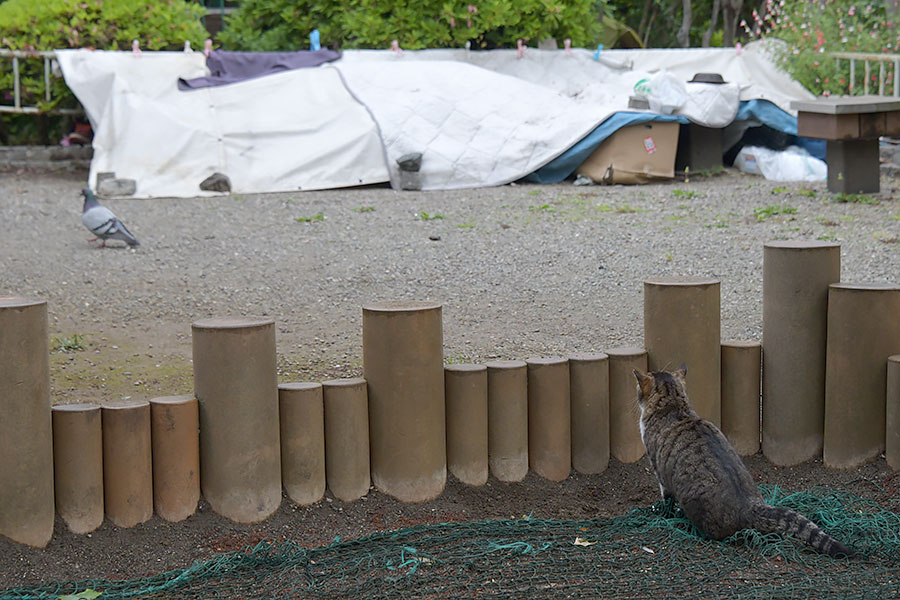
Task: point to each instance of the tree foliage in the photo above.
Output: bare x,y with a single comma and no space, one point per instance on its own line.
286,24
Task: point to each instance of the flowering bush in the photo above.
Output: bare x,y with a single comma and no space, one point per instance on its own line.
812,29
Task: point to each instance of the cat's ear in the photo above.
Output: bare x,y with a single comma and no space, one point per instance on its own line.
680,372
645,382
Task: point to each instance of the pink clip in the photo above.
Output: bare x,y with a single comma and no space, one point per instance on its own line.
395,46
568,45
135,48
737,47
207,48
520,48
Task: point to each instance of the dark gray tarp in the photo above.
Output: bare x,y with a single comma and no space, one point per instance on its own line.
230,67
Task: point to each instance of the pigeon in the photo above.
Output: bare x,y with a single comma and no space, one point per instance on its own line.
102,222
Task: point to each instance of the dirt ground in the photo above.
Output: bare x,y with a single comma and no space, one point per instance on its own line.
117,360
158,546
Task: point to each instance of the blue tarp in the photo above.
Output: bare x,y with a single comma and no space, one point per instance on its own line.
758,111
566,163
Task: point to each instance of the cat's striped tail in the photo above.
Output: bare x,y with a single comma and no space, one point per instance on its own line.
767,519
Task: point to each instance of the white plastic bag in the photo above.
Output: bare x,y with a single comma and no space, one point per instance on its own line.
791,164
667,93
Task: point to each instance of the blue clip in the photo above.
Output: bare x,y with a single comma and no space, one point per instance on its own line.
597,53
314,40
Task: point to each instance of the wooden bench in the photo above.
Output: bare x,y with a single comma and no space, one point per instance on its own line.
851,126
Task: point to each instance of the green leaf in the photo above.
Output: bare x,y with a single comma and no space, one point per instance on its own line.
87,594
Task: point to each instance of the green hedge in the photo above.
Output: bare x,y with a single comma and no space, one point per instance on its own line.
268,25
101,24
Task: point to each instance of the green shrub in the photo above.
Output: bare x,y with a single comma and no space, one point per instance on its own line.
101,24
286,24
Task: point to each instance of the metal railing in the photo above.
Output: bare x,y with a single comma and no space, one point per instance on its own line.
48,56
868,60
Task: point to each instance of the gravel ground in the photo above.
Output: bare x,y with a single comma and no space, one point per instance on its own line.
521,271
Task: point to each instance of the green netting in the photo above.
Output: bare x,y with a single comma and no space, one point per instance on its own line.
647,553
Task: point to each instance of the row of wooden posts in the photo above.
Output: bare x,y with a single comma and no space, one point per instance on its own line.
826,380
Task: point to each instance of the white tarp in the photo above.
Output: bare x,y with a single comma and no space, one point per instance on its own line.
473,126
289,131
479,118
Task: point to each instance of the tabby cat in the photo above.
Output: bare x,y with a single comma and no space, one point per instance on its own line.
696,466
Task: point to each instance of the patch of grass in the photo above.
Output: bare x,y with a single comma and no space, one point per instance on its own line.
827,222
315,217
668,256
855,199
456,359
87,594
717,170
886,238
896,217
683,206
424,216
779,190
72,343
621,209
808,192
826,237
686,194
718,224
466,225
580,202
542,208
764,212
364,209
534,193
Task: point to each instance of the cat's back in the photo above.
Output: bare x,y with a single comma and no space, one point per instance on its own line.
696,450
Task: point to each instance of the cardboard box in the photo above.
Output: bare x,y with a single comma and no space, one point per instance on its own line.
634,154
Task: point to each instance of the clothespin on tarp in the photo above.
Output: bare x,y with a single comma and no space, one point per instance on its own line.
567,43
520,48
597,53
395,46
187,46
135,48
207,47
314,40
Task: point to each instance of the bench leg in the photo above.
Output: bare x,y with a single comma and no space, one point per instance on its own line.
853,166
